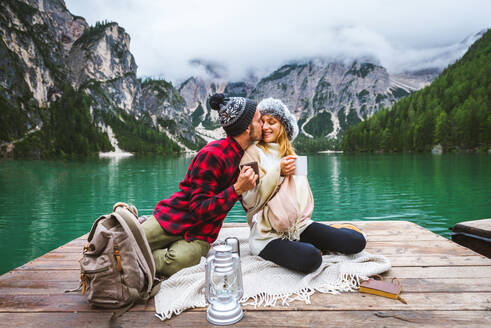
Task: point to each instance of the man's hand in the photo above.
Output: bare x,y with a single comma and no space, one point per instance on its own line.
246,180
287,165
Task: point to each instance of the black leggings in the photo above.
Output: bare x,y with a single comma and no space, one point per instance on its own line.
305,255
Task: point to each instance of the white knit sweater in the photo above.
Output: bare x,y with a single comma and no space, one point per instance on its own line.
259,236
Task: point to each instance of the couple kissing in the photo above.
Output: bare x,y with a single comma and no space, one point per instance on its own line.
254,164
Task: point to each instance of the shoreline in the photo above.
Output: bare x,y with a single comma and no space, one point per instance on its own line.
114,154
330,152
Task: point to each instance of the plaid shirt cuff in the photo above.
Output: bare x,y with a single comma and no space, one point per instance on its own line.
231,194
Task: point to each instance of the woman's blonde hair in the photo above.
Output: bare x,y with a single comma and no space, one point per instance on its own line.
282,140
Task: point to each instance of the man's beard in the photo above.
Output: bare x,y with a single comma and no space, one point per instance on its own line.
255,136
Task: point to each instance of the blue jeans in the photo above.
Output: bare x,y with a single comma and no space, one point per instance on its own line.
305,255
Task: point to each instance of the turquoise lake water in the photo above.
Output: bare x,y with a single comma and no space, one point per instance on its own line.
44,204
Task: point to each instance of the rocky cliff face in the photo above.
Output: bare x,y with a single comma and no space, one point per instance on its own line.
66,27
168,111
43,47
195,92
35,38
100,61
327,97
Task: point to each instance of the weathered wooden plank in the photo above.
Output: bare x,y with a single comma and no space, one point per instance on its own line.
256,319
405,248
475,235
402,248
319,302
39,275
445,285
479,227
69,261
401,235
469,272
416,301
437,260
37,287
42,264
400,272
59,256
409,285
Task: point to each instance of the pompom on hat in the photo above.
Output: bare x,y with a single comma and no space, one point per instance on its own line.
235,113
277,109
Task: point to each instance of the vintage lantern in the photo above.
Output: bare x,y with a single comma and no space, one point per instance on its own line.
224,284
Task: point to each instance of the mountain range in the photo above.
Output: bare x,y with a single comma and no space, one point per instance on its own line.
46,51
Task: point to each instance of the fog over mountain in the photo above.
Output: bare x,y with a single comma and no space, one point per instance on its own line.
175,40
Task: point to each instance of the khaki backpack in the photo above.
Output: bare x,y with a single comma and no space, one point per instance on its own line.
117,269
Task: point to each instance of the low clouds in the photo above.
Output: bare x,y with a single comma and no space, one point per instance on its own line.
176,39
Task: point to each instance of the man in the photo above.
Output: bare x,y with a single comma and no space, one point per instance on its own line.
183,226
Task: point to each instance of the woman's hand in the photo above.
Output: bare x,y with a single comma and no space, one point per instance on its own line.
287,165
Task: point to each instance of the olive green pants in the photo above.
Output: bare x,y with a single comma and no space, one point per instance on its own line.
172,252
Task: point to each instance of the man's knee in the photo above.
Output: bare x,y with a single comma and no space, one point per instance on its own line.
182,254
182,259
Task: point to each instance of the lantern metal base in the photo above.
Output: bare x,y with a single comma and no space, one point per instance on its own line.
223,314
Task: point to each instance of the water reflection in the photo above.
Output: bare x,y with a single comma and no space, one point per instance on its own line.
47,203
334,165
424,189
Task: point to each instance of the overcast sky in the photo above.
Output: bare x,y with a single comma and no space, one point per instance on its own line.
261,35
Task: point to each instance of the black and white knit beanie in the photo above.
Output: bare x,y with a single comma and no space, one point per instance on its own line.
278,110
235,113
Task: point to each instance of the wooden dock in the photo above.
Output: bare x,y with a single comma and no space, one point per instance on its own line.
444,284
475,235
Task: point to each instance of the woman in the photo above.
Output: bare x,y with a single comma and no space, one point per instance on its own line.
279,208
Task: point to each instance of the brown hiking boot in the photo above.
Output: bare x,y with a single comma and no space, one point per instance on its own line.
348,226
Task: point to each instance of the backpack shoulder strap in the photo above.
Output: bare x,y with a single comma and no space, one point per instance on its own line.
133,228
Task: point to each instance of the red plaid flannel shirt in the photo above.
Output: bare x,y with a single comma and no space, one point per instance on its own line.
206,194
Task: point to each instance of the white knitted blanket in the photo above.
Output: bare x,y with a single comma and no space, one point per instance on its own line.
265,283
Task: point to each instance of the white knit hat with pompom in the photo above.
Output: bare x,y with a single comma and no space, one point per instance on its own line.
278,110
